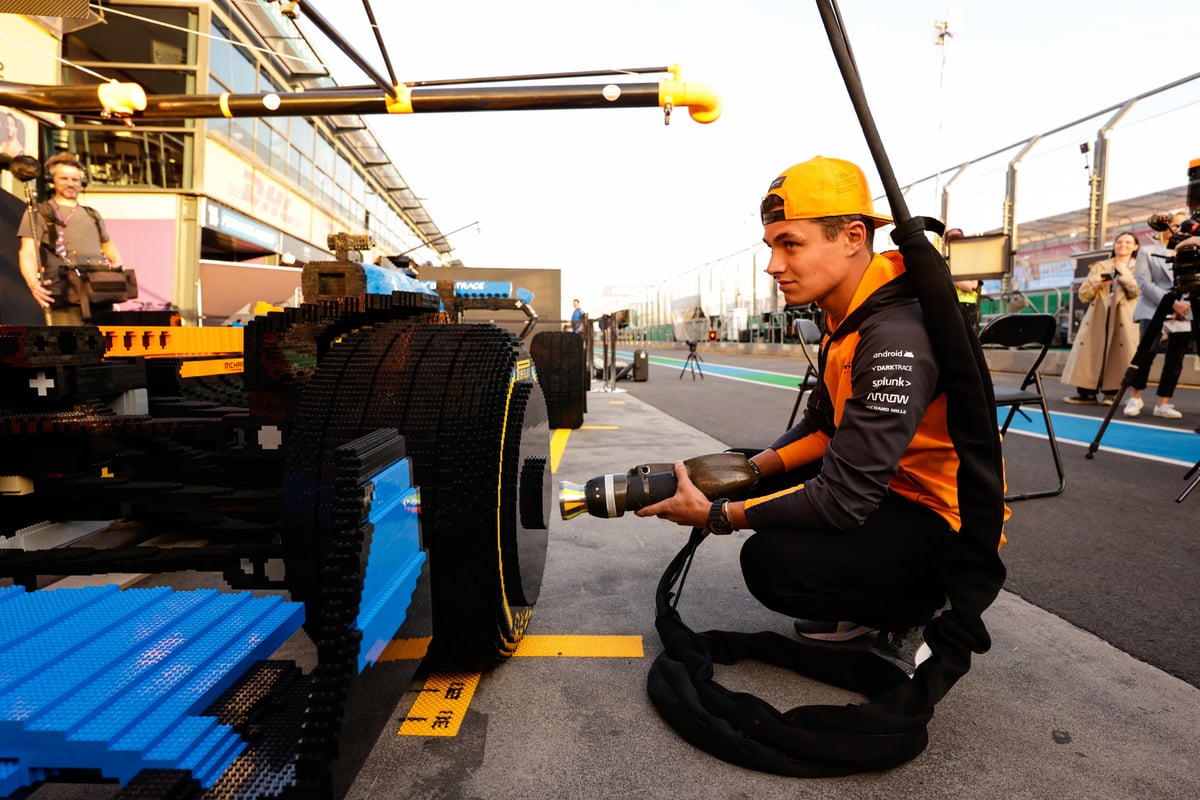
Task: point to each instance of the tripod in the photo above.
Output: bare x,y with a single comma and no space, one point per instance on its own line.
1142,358
693,361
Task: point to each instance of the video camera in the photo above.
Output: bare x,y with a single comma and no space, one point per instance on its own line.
1185,237
1163,222
1185,243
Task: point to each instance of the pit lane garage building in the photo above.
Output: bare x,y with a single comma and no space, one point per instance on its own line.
212,213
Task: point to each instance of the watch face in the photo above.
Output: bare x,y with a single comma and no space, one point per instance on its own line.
717,521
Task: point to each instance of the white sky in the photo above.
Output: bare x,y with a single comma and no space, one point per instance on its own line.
614,198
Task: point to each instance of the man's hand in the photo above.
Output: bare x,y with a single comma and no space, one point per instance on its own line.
41,294
688,506
27,257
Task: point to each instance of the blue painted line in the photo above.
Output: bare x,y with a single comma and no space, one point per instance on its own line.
1131,438
781,380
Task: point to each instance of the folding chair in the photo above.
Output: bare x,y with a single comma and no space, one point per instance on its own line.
1027,332
809,333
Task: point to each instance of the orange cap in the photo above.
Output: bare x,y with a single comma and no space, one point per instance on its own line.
822,187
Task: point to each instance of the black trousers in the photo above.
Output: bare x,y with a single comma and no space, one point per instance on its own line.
1177,345
889,574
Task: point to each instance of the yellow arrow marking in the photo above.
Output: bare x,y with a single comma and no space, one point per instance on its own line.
441,705
444,699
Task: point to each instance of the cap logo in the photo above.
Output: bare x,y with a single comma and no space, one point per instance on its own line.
775,184
846,182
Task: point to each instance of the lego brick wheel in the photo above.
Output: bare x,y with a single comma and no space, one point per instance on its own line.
474,421
560,360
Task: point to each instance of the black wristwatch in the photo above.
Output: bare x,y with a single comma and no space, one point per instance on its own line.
718,522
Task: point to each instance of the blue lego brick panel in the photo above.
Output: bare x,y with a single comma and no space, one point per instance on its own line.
394,561
384,280
112,680
483,288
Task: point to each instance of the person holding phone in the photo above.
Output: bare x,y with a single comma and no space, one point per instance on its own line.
1107,337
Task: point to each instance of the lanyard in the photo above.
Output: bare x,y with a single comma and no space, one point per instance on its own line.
60,246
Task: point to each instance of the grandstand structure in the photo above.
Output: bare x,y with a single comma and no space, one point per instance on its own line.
1060,195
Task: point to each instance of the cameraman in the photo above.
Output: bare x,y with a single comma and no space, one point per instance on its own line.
61,231
856,512
1155,277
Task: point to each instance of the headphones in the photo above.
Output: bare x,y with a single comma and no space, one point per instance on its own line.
69,160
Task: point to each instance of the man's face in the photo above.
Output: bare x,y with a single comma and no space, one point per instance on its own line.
807,267
67,181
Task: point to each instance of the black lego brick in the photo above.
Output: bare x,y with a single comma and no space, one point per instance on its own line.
45,346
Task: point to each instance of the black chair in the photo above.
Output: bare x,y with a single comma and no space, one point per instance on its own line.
1033,333
809,333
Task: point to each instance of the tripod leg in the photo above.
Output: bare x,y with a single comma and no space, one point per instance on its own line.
1191,484
1141,358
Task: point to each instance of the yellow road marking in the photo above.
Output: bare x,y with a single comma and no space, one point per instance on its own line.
406,649
444,699
581,646
441,705
558,443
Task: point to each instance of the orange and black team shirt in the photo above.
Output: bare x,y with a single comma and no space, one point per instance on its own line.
878,419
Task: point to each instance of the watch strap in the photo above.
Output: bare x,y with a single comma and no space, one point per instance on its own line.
718,521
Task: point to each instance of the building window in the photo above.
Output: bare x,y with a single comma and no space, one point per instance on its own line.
125,158
137,35
230,65
300,170
156,48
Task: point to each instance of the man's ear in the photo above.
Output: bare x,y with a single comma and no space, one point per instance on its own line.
856,236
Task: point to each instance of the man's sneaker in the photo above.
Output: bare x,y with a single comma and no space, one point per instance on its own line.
905,649
1167,411
1133,406
1108,399
831,631
1081,400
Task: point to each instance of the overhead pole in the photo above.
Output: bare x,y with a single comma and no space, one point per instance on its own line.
387,62
314,16
840,44
942,33
970,419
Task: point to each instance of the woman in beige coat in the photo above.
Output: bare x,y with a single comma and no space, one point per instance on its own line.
1108,336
